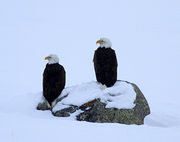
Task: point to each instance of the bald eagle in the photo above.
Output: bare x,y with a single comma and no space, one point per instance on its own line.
105,63
54,77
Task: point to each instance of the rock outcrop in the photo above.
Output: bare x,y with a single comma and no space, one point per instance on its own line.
97,111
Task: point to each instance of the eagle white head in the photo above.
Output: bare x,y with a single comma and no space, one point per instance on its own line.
52,59
104,42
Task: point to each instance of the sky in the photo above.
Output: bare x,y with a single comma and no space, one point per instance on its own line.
145,35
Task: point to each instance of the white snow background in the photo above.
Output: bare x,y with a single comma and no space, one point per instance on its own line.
145,35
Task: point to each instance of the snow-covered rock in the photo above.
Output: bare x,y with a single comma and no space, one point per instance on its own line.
121,103
99,113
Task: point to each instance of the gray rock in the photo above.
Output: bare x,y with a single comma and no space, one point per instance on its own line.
98,112
65,112
43,106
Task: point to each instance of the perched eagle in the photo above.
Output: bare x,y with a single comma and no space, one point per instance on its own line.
105,63
54,78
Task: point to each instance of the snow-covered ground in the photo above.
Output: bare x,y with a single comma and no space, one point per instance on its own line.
145,35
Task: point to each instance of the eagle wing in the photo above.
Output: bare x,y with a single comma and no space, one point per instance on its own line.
53,81
105,65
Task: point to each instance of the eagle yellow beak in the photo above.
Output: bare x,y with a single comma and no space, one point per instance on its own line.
99,41
47,58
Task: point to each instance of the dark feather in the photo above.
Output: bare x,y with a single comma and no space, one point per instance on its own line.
54,77
105,64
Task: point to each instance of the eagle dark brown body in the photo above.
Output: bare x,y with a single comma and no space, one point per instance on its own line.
54,77
105,64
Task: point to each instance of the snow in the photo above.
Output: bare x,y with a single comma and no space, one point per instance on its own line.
145,36
121,95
